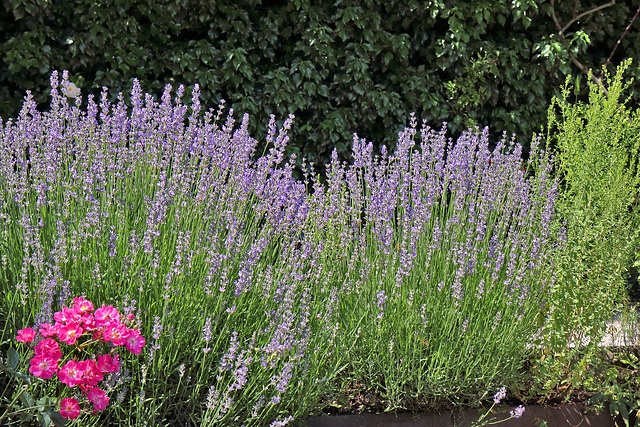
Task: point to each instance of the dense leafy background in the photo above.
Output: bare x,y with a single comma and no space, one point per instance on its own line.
340,66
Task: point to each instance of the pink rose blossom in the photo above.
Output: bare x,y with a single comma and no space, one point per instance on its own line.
26,335
91,375
65,316
106,315
135,342
82,306
99,398
70,374
70,333
88,322
47,330
118,334
69,408
43,367
107,363
48,348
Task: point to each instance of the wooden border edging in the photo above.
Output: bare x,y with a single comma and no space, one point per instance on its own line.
571,415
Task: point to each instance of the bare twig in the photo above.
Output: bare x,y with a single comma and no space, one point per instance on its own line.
562,29
585,13
620,39
555,18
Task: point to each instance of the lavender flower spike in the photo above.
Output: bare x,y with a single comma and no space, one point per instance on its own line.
517,413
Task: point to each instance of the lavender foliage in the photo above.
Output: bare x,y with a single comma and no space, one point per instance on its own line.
417,259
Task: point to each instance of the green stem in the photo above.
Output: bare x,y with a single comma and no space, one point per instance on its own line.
5,415
23,410
500,421
486,413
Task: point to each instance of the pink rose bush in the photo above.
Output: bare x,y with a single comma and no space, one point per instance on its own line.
79,327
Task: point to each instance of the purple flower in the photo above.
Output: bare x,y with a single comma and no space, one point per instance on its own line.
157,328
517,412
282,380
212,398
240,373
465,324
282,423
206,334
382,299
230,355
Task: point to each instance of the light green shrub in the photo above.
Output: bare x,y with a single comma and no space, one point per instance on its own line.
596,159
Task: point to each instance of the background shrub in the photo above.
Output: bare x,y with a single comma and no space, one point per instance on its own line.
340,67
597,163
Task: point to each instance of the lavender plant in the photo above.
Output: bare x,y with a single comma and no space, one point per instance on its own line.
438,258
175,223
412,275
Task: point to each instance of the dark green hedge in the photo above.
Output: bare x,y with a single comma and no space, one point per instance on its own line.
340,66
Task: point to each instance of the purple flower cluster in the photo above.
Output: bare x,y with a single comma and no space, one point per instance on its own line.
517,412
501,394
